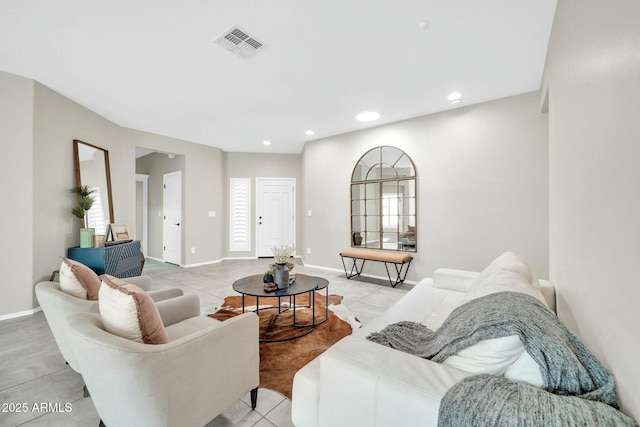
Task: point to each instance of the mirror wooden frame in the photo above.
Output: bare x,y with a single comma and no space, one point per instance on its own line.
107,177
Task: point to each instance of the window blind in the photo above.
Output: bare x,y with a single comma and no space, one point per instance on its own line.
240,214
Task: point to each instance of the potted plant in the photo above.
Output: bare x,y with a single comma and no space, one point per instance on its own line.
268,276
85,201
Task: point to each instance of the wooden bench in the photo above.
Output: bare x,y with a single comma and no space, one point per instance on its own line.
398,259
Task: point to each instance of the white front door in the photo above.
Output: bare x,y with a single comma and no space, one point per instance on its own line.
275,214
172,217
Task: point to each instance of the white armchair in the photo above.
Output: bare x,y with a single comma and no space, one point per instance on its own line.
206,366
57,305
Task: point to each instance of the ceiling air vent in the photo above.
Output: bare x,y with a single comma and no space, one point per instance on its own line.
239,42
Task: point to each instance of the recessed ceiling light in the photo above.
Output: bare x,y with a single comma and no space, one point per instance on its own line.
266,142
309,132
456,101
454,96
368,116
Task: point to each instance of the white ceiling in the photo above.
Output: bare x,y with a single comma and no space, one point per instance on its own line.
153,65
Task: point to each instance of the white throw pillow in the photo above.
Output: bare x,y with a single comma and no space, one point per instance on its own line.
496,356
78,280
129,312
69,283
491,356
525,369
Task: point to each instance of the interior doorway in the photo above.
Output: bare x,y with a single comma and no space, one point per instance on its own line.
275,214
142,211
172,217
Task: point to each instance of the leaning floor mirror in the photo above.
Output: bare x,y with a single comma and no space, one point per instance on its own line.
92,169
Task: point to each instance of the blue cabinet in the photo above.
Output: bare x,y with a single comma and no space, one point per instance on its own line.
123,260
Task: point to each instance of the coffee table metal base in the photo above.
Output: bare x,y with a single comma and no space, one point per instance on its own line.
306,328
252,286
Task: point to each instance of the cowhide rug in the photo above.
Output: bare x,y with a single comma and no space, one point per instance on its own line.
279,361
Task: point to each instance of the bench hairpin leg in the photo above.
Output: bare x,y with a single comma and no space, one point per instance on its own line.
399,275
354,268
406,270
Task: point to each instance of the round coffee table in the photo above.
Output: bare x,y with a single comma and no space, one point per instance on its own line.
253,286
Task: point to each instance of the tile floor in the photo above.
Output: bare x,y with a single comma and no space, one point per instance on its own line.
32,370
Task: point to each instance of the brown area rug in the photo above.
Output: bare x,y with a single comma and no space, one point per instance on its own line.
279,361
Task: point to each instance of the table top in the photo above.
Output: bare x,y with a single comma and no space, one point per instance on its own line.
254,286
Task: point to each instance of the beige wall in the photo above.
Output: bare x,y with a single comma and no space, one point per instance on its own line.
57,122
202,192
482,186
252,165
16,177
593,75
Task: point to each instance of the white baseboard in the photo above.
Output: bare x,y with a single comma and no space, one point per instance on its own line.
198,264
369,276
321,267
20,314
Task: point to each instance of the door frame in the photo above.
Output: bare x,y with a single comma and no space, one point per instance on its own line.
144,179
257,206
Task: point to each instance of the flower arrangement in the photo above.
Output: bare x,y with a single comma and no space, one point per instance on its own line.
282,254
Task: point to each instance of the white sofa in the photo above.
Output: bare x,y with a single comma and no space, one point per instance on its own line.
360,383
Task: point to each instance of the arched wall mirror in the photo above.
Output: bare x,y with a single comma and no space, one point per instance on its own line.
383,201
92,169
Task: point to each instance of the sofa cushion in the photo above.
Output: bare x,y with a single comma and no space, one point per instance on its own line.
129,312
503,280
79,280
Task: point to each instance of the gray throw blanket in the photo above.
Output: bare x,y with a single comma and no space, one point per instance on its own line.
568,368
488,400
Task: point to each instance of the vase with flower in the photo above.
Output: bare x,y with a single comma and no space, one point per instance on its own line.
282,266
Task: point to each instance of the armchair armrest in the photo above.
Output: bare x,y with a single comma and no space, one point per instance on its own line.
177,309
143,282
164,294
455,280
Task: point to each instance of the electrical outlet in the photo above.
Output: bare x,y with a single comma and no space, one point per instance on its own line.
308,250
193,250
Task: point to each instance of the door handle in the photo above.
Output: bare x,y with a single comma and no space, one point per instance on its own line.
178,224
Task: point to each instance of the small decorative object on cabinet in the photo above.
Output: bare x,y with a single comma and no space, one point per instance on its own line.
117,233
122,260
